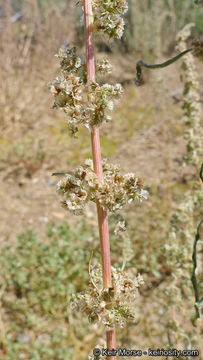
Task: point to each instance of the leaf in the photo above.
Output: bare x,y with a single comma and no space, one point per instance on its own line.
59,174
141,64
201,173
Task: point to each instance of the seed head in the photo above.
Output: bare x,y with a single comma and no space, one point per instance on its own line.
113,192
109,306
88,104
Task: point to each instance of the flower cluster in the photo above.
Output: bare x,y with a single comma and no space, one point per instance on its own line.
120,227
123,244
108,16
191,106
84,103
103,66
182,227
112,193
197,45
115,305
70,62
184,221
101,102
181,236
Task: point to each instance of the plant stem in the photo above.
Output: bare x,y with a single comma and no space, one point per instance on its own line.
96,154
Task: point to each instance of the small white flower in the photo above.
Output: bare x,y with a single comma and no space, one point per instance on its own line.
110,105
144,193
89,163
78,62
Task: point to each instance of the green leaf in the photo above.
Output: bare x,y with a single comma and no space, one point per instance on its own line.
141,64
59,174
201,173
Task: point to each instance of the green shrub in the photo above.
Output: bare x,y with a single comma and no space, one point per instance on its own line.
38,278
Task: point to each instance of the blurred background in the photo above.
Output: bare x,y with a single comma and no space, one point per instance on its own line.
45,250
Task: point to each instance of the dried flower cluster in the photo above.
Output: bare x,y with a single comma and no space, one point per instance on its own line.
120,227
113,192
181,236
197,45
184,221
112,306
84,103
183,224
108,16
103,66
124,240
182,233
192,106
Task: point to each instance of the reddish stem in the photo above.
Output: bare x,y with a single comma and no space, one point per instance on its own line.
111,341
96,154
